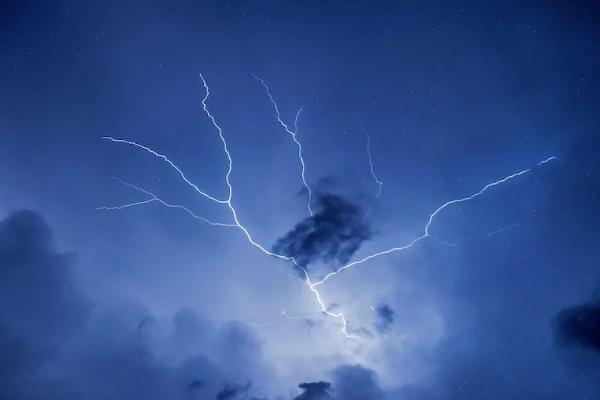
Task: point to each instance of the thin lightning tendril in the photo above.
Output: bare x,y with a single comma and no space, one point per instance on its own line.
546,160
154,198
374,176
293,136
165,159
372,169
503,229
237,224
473,237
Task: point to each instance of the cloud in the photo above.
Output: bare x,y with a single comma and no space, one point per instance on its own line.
355,382
35,284
385,317
57,344
349,382
232,391
314,391
579,325
333,234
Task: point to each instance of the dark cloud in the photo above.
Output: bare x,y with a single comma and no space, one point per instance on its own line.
385,317
195,385
35,284
333,234
314,391
579,325
349,382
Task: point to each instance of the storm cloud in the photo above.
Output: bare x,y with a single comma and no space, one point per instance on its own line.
453,96
57,343
579,325
332,235
232,391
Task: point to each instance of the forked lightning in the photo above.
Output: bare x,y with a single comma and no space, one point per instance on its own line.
152,198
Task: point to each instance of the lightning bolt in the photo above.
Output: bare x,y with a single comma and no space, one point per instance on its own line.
293,136
152,198
324,309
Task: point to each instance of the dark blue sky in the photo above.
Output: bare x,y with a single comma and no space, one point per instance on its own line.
150,303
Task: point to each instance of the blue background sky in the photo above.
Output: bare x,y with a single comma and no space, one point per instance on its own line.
149,303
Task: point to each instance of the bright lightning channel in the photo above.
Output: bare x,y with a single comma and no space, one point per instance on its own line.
237,224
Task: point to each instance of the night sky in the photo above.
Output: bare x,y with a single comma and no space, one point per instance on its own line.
500,300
